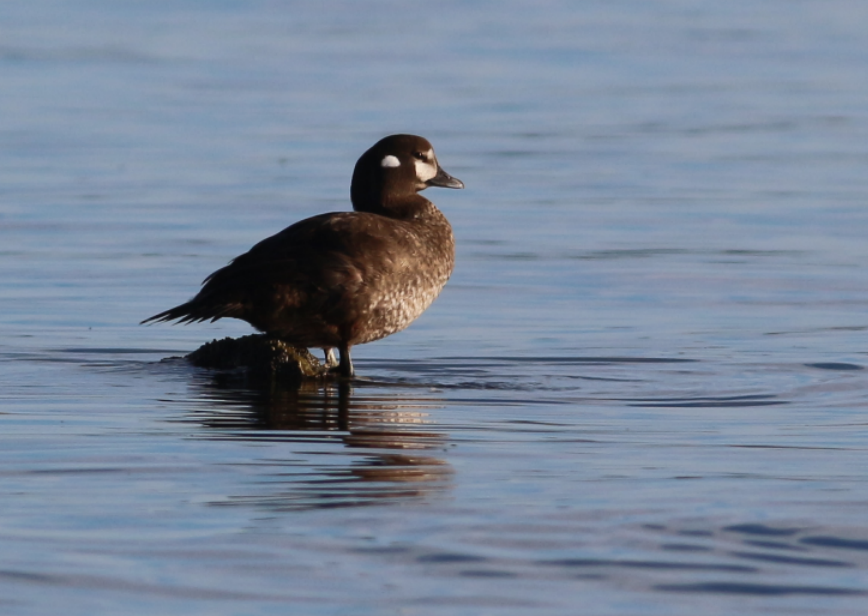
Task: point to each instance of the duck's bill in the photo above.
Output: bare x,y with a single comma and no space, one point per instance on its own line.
444,180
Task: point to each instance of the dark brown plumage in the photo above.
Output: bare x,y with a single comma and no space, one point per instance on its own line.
345,278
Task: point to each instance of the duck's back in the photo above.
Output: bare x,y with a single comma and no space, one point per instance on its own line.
351,276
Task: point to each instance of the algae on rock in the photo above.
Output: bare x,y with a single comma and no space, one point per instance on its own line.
259,356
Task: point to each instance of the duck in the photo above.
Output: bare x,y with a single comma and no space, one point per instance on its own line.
340,279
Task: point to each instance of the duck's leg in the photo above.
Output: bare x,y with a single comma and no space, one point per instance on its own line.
330,360
345,368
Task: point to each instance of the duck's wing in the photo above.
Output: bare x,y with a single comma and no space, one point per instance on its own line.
308,266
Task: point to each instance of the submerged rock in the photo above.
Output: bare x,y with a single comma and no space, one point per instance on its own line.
259,357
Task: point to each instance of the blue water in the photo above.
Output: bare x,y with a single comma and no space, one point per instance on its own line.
642,393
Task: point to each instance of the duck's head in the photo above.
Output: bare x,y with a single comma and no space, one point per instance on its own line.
393,170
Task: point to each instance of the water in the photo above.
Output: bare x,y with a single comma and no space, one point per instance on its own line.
643,391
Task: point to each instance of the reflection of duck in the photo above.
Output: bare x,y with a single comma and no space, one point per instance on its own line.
383,434
346,278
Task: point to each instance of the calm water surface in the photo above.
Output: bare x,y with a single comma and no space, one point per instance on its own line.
643,391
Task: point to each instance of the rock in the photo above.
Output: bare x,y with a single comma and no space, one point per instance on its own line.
259,357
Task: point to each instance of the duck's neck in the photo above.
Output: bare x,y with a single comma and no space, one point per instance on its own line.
401,207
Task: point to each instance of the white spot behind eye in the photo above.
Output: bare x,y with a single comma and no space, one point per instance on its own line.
390,161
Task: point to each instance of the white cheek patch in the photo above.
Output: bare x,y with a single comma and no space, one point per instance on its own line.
426,169
390,161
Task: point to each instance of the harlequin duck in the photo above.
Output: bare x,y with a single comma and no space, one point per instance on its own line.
345,278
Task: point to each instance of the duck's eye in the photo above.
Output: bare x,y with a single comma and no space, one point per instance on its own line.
420,155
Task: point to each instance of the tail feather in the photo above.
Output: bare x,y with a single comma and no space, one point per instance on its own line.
181,313
191,312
